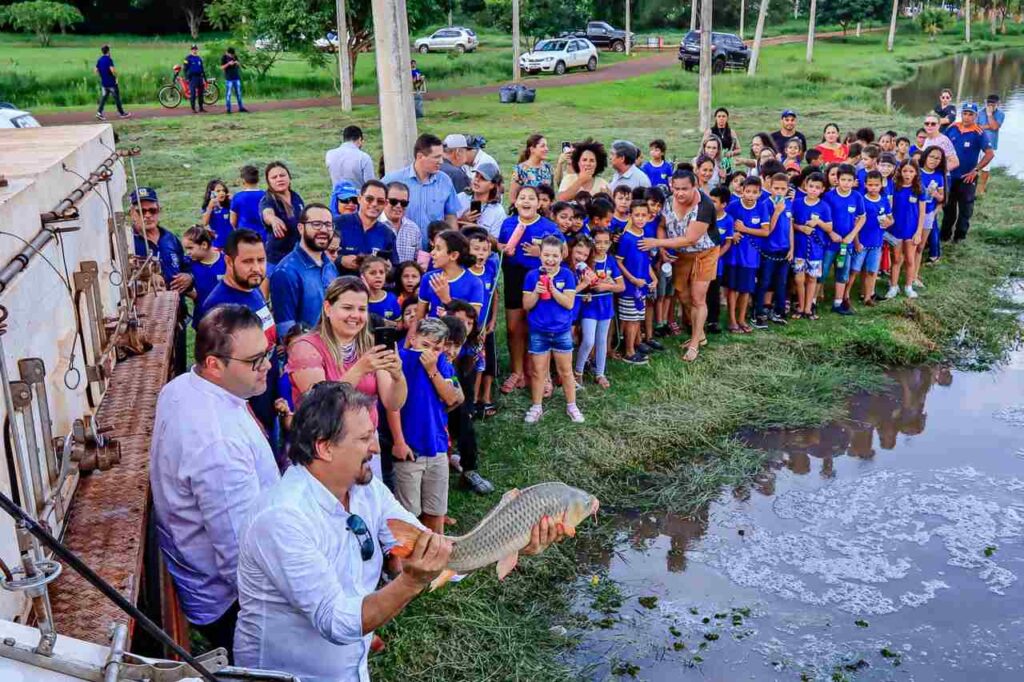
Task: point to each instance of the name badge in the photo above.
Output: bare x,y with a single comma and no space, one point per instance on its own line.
851,209
815,216
966,144
755,221
559,285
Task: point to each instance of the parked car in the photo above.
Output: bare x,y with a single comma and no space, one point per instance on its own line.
727,52
604,35
329,43
558,55
455,38
12,117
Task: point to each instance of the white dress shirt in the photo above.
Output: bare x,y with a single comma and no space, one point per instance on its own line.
633,178
349,162
209,461
302,579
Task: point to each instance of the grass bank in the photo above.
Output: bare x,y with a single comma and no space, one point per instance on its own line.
661,438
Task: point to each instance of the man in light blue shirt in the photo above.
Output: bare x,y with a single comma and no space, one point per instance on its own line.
349,161
990,120
432,195
209,461
300,280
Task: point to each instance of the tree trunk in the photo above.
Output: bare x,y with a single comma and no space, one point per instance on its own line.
515,41
758,33
704,96
796,9
193,18
812,15
967,21
892,25
858,29
693,15
344,57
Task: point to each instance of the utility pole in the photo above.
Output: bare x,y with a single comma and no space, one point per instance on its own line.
743,9
394,82
693,15
628,41
515,41
892,25
704,96
758,32
810,30
967,21
344,63
450,13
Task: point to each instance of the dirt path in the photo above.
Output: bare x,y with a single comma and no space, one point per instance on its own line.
618,71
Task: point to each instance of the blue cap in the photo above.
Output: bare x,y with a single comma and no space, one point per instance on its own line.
787,112
345,190
969,106
143,194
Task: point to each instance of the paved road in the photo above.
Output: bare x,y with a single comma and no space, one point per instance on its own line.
618,71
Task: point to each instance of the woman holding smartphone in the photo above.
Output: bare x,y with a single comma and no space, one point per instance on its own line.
482,203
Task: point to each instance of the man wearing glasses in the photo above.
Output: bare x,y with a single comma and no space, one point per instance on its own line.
299,281
209,460
408,236
311,553
362,234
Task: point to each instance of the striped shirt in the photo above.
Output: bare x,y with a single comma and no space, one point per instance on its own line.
407,238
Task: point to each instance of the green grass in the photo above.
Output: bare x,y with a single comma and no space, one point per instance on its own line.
662,438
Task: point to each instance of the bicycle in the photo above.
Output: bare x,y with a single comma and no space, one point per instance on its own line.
171,94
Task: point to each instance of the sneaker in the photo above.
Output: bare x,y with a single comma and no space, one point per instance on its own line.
574,413
228,112
759,322
893,292
477,483
654,345
909,291
243,110
644,349
777,319
100,117
839,310
636,359
847,307
126,114
533,414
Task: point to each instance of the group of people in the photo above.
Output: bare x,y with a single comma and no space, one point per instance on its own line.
346,350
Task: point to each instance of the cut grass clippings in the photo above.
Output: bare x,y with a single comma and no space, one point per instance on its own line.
663,437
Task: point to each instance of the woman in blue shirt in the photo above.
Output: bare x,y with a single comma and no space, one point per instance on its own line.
280,208
207,264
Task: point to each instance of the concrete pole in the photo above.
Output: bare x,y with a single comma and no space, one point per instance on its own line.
394,82
892,25
704,92
628,41
758,32
743,10
858,29
810,30
967,21
344,63
515,41
693,15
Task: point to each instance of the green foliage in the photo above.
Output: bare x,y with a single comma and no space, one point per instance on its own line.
541,18
934,21
847,13
40,17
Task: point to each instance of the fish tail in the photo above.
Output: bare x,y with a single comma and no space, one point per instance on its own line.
405,534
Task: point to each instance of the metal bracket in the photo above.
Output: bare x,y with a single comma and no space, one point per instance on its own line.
90,448
133,667
21,396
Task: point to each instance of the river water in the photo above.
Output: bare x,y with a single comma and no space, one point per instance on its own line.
888,545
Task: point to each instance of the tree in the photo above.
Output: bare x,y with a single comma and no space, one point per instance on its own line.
543,18
934,21
40,17
191,10
755,51
847,13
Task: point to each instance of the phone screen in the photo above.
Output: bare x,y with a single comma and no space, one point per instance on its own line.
474,206
385,336
566,147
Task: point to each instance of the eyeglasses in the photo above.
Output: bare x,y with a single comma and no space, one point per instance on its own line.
254,363
320,225
404,203
350,200
374,201
356,524
931,123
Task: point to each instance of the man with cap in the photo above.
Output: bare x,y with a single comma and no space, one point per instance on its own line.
153,240
349,161
362,234
475,154
455,147
195,73
974,150
623,161
787,131
990,119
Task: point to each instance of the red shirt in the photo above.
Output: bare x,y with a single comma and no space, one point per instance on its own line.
833,155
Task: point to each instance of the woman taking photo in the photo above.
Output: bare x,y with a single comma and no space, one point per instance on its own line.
587,161
832,150
484,196
340,348
280,209
533,169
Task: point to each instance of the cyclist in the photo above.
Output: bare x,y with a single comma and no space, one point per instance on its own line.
195,72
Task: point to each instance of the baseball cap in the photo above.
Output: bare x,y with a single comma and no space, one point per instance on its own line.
787,112
143,194
476,141
488,171
345,190
194,47
969,106
456,141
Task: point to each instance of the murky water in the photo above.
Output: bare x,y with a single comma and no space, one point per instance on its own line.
974,77
885,546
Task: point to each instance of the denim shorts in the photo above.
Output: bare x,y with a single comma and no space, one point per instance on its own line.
812,268
868,260
842,273
554,342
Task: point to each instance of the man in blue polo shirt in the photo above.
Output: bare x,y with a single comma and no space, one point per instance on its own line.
362,233
431,193
108,84
299,281
195,73
975,153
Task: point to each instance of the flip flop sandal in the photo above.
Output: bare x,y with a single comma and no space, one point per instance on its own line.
796,316
513,382
746,329
691,354
735,329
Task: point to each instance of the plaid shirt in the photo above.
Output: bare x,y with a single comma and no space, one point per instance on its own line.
407,238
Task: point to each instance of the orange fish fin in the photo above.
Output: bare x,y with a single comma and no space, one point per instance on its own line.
405,534
568,529
507,565
510,495
446,575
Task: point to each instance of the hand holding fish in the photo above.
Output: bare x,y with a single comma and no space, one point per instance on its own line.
429,557
543,535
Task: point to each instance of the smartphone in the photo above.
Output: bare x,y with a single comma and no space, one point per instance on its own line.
566,147
385,336
474,206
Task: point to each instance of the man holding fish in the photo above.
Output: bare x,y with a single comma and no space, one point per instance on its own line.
311,553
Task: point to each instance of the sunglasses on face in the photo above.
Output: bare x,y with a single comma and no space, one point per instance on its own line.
374,201
149,211
931,123
404,203
358,527
350,200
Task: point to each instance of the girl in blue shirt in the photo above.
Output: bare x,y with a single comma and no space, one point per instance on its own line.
217,212
450,278
374,271
933,182
603,280
908,212
207,264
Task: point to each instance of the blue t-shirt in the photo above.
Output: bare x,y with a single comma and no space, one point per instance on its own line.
600,305
207,277
905,212
424,414
746,252
810,246
220,223
387,307
489,280
845,211
549,315
194,66
168,250
726,230
617,225
658,175
870,236
634,261
969,145
104,65
253,300
379,240
932,181
778,238
466,287
991,135
245,204
534,234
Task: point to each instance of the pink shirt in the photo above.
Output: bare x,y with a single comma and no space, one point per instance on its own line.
309,352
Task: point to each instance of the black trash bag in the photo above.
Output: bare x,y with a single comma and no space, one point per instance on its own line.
507,94
525,95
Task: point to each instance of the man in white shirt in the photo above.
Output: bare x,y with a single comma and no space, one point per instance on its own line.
476,156
349,161
623,161
209,461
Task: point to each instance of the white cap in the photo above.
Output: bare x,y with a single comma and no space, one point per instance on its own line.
456,141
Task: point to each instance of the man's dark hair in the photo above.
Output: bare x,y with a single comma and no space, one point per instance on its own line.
812,155
215,333
321,417
351,134
847,169
105,49
398,185
684,174
240,236
627,150
231,51
424,143
250,174
373,183
865,135
304,216
817,176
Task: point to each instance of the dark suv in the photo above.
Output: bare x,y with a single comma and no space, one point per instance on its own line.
727,52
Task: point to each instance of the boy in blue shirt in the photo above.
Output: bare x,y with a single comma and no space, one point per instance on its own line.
721,196
245,204
636,268
867,247
751,221
108,84
812,224
776,255
622,196
657,170
847,220
420,429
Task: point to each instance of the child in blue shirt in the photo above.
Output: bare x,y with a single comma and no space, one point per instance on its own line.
867,247
207,265
812,223
847,219
637,270
450,278
217,212
374,271
603,280
657,169
908,214
721,196
623,197
751,220
245,204
549,296
481,246
933,182
777,253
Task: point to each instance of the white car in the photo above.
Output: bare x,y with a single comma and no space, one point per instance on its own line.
16,118
454,38
329,43
558,55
